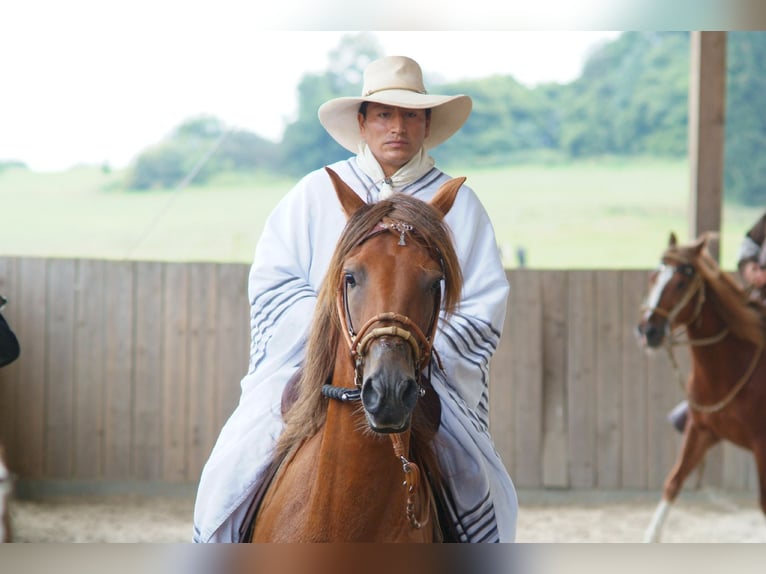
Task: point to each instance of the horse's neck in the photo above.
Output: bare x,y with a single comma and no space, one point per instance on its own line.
707,325
712,361
356,465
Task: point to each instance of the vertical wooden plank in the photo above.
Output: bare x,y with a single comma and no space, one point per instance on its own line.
527,373
635,441
147,369
9,375
59,380
608,378
203,319
31,397
710,472
555,454
89,370
581,395
736,467
175,373
501,384
233,338
664,393
118,399
707,111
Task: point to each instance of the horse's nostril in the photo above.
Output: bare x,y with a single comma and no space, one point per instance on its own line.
406,394
653,335
371,398
410,393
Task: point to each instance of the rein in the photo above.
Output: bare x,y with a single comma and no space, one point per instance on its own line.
411,481
708,409
698,286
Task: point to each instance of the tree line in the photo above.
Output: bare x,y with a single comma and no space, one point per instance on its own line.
630,100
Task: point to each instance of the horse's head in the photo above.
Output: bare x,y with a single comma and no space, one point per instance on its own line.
676,292
396,266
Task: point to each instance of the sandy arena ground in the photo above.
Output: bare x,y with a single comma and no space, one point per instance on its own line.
564,516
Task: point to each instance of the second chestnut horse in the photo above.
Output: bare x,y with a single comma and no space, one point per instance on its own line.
725,331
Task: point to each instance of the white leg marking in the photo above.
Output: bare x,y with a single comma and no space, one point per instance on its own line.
654,530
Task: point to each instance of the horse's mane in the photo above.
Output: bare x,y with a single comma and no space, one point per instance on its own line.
744,316
307,414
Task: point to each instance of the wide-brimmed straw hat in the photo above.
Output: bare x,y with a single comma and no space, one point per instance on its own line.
394,81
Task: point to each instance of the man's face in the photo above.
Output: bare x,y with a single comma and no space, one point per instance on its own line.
394,135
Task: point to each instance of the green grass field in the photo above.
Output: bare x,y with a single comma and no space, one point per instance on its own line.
588,215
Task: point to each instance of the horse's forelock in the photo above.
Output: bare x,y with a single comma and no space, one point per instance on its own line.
428,228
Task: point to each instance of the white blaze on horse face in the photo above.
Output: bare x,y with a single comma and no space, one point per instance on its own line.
664,275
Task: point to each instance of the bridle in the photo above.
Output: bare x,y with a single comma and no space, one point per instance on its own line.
696,287
390,324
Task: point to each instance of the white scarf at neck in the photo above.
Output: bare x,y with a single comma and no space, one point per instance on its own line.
418,166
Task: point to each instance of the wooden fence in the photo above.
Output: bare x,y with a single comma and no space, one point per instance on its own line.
129,369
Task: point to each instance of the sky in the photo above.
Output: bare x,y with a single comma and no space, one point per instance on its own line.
98,82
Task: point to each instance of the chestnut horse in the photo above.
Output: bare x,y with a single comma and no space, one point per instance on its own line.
725,331
357,459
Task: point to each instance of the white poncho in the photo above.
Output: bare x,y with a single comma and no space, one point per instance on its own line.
291,258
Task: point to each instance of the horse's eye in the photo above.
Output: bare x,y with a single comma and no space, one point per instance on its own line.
437,285
349,279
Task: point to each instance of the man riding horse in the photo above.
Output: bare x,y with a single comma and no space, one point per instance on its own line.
390,130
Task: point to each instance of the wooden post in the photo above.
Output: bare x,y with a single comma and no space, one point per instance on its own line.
707,107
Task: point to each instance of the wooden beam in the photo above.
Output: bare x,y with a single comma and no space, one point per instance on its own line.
707,110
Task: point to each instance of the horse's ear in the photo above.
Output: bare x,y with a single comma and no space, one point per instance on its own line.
703,240
445,195
349,200
699,244
672,241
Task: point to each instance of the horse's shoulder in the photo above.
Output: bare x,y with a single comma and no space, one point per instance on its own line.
759,306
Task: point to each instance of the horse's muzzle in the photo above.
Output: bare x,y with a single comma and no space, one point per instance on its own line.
389,390
651,335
